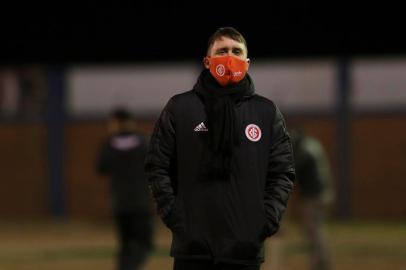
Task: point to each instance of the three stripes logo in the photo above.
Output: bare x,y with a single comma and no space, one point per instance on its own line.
201,127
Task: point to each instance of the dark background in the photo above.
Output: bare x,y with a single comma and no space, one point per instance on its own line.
135,31
55,210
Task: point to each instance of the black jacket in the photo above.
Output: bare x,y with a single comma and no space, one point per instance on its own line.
121,157
214,219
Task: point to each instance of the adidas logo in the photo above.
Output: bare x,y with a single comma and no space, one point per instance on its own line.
201,127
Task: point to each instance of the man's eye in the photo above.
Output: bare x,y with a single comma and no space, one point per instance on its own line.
237,52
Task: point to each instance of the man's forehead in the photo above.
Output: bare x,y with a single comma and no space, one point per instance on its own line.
226,41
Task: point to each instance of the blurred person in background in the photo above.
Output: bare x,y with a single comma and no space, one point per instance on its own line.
220,164
121,158
32,84
315,192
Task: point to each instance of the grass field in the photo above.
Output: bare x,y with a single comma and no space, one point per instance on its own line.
91,245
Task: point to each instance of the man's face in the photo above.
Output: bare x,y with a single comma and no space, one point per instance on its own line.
113,126
226,46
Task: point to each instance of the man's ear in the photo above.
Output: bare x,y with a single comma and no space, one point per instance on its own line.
206,62
248,62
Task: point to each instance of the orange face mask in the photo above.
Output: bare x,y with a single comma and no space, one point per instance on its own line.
228,69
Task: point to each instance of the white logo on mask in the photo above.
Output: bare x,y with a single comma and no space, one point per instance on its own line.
237,73
220,70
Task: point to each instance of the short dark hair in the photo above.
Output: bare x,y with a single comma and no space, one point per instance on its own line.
121,114
229,32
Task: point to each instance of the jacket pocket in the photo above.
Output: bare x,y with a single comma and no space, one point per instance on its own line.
269,228
265,230
173,220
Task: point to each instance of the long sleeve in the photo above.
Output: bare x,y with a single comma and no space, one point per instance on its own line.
281,174
103,164
159,163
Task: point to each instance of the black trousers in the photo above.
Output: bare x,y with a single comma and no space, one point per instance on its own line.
134,231
180,264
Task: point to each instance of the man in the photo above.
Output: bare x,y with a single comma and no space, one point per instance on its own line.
220,164
316,193
122,159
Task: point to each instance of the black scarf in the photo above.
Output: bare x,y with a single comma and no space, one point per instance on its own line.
220,103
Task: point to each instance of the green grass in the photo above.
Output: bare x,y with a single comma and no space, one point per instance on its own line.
87,245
